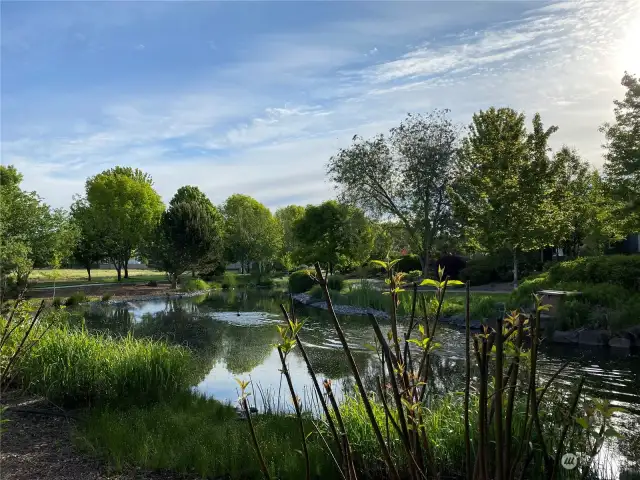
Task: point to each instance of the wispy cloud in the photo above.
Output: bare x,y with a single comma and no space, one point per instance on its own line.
261,110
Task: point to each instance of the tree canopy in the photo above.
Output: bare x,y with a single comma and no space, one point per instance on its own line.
333,234
405,176
252,233
505,173
288,216
124,209
188,232
31,233
622,156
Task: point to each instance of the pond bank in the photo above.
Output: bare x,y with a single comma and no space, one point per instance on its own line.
625,340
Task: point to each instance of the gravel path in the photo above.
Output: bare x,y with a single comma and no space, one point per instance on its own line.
36,446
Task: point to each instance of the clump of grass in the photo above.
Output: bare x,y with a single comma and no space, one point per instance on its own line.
229,280
57,302
76,299
72,367
191,434
106,297
195,285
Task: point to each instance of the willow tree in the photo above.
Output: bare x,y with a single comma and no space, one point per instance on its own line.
505,175
404,176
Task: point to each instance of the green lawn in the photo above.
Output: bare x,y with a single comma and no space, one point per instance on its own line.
77,276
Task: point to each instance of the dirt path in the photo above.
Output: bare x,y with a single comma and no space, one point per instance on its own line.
41,447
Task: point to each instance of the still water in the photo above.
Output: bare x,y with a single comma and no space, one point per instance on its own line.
234,334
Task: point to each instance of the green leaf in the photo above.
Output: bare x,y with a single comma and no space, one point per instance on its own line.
454,283
430,282
583,422
421,329
393,262
379,263
610,432
368,346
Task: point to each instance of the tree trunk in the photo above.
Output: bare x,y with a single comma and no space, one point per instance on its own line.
425,264
89,272
119,270
515,269
193,274
174,280
126,269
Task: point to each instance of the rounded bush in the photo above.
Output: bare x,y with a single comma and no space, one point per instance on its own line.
301,281
195,285
408,263
335,282
622,270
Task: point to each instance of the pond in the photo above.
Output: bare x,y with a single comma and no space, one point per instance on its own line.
234,332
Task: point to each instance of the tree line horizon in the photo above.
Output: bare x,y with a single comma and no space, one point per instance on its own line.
429,186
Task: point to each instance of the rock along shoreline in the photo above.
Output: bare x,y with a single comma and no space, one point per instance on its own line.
623,341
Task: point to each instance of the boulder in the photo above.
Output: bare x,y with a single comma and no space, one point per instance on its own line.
565,337
620,342
593,337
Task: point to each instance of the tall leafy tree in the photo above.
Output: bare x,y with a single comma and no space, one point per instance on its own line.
30,232
252,234
334,234
90,248
287,217
504,179
622,156
405,176
188,232
125,209
578,212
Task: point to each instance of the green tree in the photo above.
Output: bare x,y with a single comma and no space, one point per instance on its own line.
190,193
252,234
505,175
334,234
405,176
622,156
30,232
90,248
288,216
188,232
125,210
578,210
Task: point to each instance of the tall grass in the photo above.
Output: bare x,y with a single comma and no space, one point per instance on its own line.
191,434
72,367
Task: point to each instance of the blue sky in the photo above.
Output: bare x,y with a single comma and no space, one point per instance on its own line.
254,97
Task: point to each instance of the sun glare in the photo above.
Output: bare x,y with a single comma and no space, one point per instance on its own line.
628,55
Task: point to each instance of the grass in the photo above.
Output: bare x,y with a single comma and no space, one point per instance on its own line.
195,285
74,368
191,434
601,305
77,276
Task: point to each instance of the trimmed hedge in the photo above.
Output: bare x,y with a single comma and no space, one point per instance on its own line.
301,281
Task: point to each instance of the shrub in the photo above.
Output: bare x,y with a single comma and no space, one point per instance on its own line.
56,302
335,282
413,275
301,281
195,285
453,265
152,283
75,299
408,263
622,270
74,367
106,297
523,295
229,280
